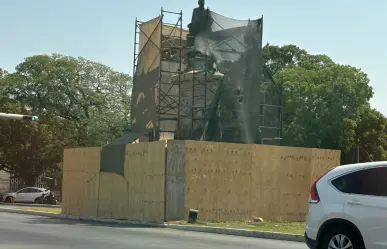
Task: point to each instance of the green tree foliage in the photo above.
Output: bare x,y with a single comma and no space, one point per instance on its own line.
371,132
79,103
326,105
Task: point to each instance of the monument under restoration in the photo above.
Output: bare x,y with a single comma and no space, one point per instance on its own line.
205,83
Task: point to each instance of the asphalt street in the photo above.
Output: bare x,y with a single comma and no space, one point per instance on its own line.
33,232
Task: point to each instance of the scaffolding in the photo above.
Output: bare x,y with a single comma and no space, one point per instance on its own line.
164,42
270,110
168,87
199,87
177,92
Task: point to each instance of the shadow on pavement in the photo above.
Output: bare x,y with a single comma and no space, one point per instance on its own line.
47,220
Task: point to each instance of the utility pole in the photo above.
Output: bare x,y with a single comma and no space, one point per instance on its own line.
18,117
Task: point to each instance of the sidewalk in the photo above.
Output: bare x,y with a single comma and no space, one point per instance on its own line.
29,205
194,228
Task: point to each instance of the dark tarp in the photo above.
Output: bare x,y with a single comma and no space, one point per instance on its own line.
128,138
235,46
113,154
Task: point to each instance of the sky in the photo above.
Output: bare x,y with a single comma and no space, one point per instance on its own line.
349,31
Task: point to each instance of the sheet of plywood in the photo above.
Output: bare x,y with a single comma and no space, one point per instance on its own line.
154,198
202,171
80,181
234,176
112,196
145,173
322,161
175,180
294,184
70,194
251,180
89,186
135,159
265,191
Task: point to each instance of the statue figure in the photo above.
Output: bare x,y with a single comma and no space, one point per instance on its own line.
201,19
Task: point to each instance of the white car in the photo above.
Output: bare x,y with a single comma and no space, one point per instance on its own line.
30,194
348,208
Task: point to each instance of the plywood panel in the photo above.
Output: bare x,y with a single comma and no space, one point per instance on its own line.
82,159
69,187
202,171
323,160
90,186
175,180
272,182
265,191
233,200
294,184
134,172
145,173
92,157
81,181
155,182
113,196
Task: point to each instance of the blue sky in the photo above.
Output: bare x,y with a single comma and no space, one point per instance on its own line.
349,31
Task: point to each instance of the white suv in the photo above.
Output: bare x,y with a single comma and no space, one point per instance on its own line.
348,208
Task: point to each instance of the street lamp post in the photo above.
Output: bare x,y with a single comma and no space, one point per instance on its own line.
18,117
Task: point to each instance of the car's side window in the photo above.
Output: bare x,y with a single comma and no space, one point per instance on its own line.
23,191
34,190
364,182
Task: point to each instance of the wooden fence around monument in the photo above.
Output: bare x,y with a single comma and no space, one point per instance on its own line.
223,181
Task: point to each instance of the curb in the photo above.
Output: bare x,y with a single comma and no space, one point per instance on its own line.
203,229
240,232
83,218
29,205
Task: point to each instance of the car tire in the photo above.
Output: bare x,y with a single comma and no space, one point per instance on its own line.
335,234
37,201
9,199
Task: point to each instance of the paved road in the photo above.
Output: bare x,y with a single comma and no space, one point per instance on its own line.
33,232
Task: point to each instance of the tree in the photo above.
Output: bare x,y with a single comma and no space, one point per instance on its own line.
28,149
86,98
321,98
79,103
371,134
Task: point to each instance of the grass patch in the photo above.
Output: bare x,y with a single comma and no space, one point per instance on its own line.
267,226
40,209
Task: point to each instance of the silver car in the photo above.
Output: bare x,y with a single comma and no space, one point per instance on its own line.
30,195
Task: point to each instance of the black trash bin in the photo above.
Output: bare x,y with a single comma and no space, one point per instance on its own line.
192,215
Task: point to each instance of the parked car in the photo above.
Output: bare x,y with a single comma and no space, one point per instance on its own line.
27,195
348,208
